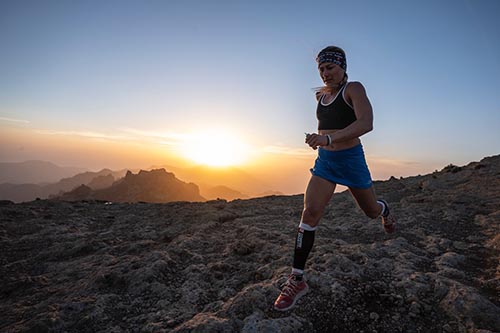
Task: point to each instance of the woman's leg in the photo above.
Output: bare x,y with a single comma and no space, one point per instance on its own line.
319,191
367,201
374,208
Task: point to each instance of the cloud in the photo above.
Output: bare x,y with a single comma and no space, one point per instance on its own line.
162,137
127,135
13,120
86,134
388,162
283,150
168,143
383,168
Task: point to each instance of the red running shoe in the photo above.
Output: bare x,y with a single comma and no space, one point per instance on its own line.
388,220
290,294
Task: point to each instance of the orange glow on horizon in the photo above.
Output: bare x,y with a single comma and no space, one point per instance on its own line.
216,148
226,158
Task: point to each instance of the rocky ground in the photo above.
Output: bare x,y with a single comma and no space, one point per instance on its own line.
216,267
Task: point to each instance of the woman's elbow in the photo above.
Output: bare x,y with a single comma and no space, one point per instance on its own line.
368,127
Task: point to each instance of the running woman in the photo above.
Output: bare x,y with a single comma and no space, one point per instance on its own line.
344,114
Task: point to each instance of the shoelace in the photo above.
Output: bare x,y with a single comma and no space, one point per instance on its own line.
290,288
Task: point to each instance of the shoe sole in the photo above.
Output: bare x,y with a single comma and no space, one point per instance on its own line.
299,295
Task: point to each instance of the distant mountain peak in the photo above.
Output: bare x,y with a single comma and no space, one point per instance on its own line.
147,186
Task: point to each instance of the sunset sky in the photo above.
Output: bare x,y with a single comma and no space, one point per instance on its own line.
139,83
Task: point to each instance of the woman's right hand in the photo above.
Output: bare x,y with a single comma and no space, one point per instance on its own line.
314,140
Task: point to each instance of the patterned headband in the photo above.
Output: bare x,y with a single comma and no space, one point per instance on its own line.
335,57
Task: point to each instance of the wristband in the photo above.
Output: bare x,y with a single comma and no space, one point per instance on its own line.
329,138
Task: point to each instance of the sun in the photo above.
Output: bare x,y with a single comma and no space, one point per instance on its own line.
216,148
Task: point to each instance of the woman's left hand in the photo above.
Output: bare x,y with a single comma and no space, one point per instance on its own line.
314,140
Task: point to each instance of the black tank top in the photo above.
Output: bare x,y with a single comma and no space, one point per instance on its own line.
336,115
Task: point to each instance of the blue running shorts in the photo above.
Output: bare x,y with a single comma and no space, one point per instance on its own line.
345,167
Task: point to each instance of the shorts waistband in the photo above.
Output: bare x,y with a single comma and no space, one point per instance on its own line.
343,152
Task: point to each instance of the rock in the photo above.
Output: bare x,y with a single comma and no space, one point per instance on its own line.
257,323
463,301
460,245
228,217
207,322
374,316
414,309
447,328
263,273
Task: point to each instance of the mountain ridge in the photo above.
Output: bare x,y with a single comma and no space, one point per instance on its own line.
28,192
155,186
35,172
213,183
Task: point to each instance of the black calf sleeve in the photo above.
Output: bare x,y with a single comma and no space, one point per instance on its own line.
303,245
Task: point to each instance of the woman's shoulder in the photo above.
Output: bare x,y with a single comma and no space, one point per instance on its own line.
318,94
354,87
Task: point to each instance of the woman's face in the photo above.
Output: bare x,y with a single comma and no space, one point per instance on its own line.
331,74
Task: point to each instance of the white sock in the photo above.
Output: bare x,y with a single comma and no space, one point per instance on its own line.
307,227
384,208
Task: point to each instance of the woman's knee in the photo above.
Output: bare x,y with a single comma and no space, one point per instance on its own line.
373,212
311,215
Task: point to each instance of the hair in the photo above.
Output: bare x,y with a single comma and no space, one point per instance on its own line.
325,89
